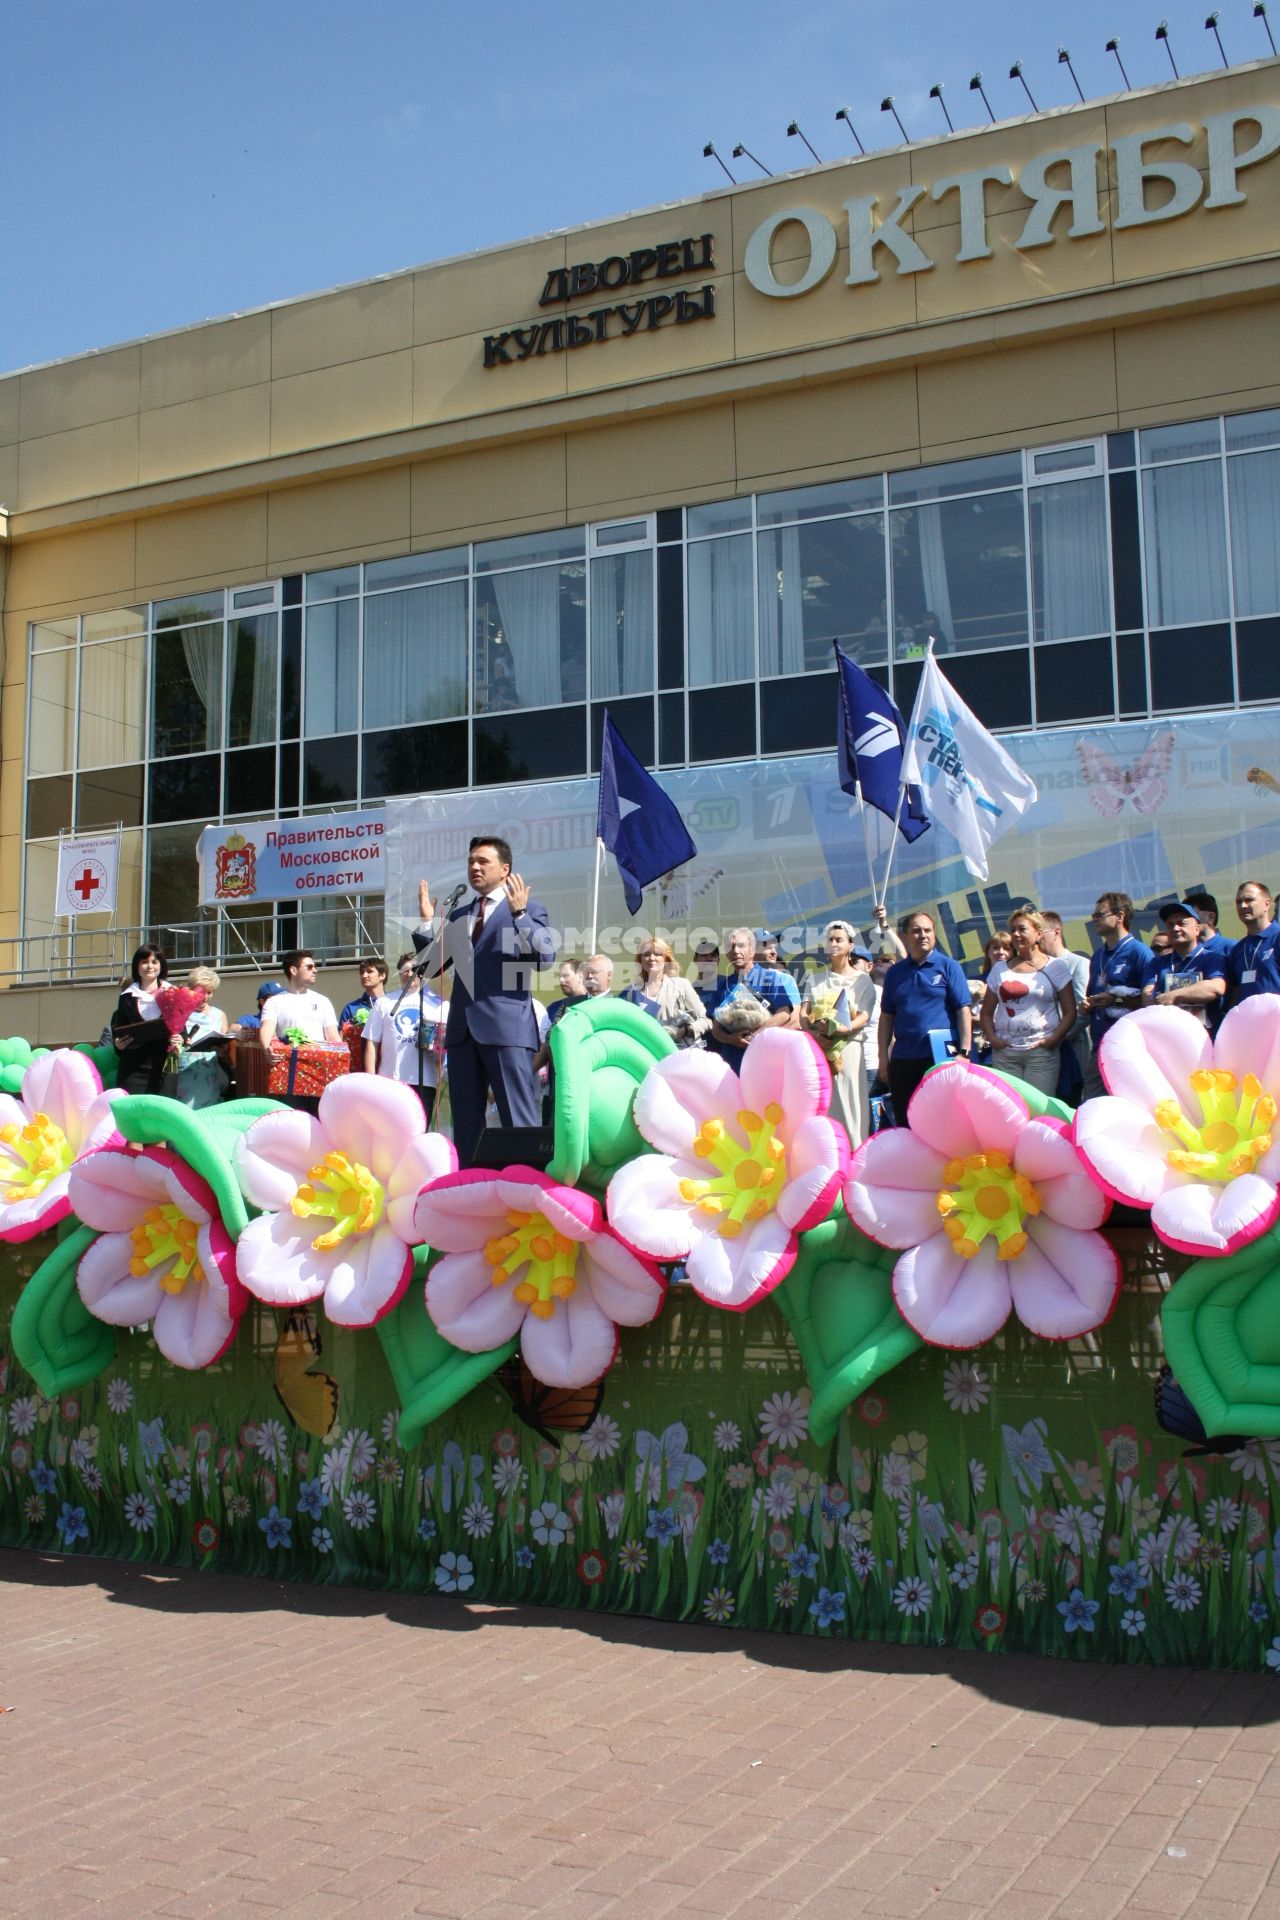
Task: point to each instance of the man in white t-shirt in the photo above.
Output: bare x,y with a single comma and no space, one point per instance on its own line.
403,1037
299,1010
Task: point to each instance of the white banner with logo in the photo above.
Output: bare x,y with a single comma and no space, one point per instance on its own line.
87,872
306,859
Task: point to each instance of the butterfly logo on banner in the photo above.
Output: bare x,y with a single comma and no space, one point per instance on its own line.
1145,784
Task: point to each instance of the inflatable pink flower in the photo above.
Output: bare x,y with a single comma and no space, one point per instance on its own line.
61,1114
162,1253
993,1211
1188,1127
524,1255
337,1195
744,1165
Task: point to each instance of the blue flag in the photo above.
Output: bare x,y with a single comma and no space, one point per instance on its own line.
637,822
870,733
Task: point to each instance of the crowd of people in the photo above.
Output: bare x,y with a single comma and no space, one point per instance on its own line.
883,1009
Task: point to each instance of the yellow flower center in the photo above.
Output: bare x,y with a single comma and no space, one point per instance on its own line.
344,1192
1234,1131
747,1179
38,1153
543,1257
165,1237
984,1198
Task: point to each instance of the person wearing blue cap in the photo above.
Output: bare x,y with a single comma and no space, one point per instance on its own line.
1191,975
252,1022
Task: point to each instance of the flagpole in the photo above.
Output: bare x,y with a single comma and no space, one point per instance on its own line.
903,783
866,845
595,894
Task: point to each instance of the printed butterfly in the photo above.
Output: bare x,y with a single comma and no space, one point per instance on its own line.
309,1399
1146,783
549,1410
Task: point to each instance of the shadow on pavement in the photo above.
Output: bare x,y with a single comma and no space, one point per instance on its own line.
1104,1695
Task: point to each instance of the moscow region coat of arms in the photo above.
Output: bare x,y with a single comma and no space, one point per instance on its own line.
234,868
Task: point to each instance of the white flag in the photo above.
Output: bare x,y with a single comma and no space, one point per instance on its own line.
969,783
87,873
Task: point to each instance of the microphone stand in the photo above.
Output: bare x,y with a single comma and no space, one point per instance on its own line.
418,979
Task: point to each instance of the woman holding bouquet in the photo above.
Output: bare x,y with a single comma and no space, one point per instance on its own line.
667,996
140,1035
836,1007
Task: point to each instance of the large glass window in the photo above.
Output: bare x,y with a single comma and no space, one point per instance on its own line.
722,613
1070,564
1186,543
622,623
415,655
51,731
820,581
253,653
186,690
1253,482
113,693
959,575
530,638
329,678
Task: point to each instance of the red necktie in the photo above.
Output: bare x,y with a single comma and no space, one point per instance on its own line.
475,931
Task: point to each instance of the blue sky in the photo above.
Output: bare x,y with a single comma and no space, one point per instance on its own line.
164,163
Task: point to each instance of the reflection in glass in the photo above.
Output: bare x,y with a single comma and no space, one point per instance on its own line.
1253,429
111,795
811,503
39,888
416,569
186,690
334,581
1181,442
49,806
188,609
722,614
530,638
329,676
252,655
54,633
415,655
959,574
722,516
821,581
622,624
526,549
1253,484
1186,544
184,789
114,625
50,733
957,476
172,880
113,681
1070,570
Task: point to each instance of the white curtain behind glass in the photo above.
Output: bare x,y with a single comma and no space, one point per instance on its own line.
529,607
721,611
1254,486
1186,543
1072,573
782,577
329,676
261,636
933,574
202,651
621,624
111,719
415,646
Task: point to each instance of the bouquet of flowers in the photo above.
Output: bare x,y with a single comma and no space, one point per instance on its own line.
176,1006
740,1011
827,1016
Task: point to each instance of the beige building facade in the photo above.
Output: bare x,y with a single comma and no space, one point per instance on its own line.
493,494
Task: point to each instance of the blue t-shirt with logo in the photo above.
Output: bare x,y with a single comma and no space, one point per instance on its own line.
1253,965
1170,970
771,985
1124,968
924,997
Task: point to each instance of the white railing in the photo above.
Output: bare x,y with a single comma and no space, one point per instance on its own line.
100,956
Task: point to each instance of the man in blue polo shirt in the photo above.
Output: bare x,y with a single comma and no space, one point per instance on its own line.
1191,975
925,993
1117,975
1253,965
1207,914
772,985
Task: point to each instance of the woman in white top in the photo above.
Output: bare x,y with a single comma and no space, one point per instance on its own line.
401,1037
836,1009
1029,1006
668,996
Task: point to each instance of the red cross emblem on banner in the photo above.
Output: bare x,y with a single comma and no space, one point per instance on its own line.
87,887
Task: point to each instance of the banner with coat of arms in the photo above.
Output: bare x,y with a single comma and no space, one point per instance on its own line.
338,853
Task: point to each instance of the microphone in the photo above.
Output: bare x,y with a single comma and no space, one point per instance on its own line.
454,897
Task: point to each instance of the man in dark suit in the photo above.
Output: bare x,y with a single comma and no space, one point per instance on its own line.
495,942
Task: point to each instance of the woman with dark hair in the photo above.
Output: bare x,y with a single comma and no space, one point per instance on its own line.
141,1039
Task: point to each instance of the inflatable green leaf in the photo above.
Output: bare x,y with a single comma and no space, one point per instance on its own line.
430,1374
838,1302
600,1052
55,1337
16,1056
1221,1325
204,1140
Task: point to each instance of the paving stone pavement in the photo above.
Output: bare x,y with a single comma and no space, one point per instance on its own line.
187,1745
